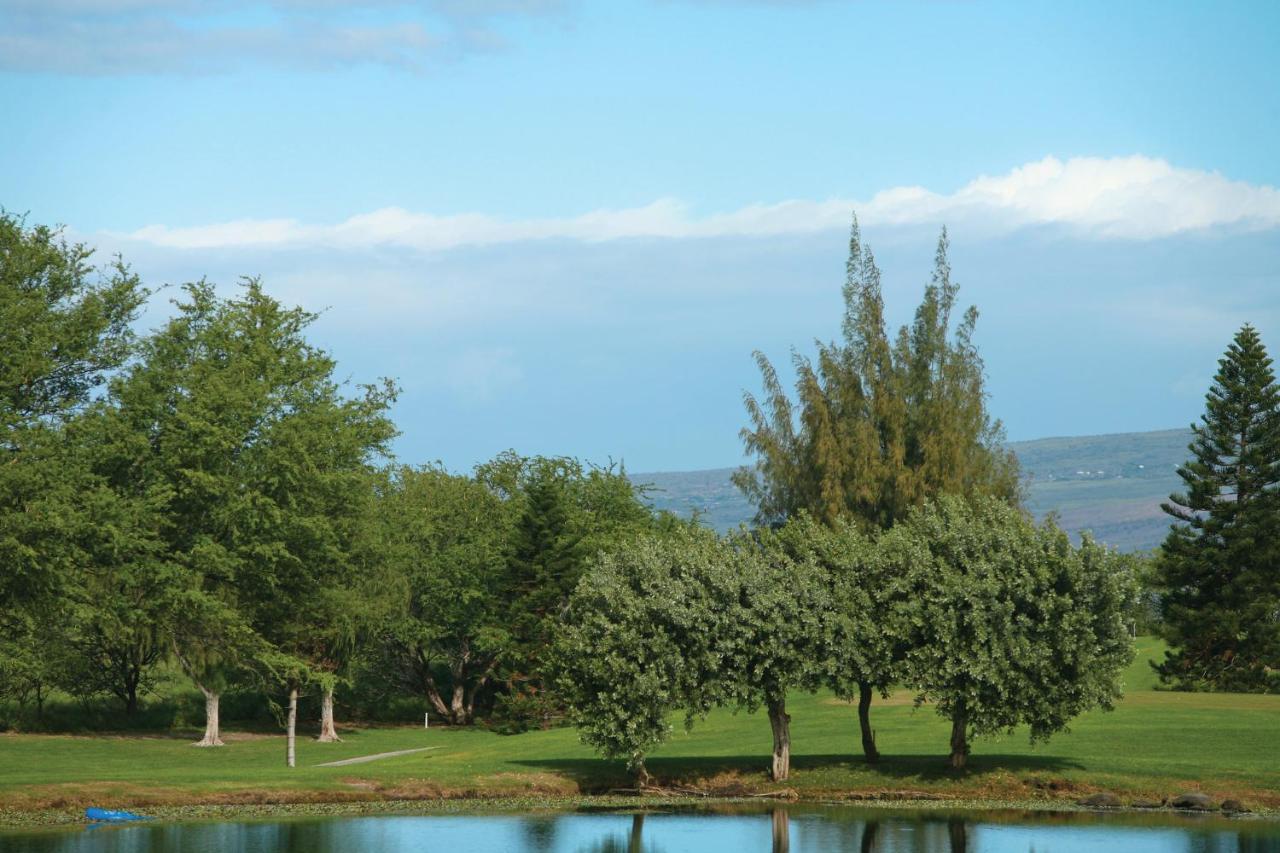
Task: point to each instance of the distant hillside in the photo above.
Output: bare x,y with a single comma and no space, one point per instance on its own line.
1109,484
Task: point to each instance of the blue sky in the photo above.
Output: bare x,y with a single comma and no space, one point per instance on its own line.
564,226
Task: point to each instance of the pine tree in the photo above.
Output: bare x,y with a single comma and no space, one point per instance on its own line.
1218,567
545,566
545,559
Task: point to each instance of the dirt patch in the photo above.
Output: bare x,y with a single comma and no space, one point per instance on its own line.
365,759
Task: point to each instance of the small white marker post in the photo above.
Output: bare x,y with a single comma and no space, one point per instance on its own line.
426,720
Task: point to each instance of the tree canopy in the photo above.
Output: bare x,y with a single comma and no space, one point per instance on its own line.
65,325
1008,623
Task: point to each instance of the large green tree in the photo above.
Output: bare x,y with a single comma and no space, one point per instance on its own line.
860,620
65,325
637,642
687,622
877,425
118,605
448,538
1009,624
1219,568
264,464
775,639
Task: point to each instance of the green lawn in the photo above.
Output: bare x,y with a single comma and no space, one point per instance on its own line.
1153,744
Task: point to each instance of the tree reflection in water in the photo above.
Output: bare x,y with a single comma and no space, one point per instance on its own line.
539,834
869,832
829,830
633,844
781,830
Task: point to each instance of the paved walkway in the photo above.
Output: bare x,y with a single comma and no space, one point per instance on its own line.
364,758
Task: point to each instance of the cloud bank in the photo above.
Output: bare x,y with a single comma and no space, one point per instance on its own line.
106,37
1133,198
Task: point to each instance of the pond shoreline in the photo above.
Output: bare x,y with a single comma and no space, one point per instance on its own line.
67,817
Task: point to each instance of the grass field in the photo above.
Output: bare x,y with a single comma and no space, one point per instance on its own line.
1154,744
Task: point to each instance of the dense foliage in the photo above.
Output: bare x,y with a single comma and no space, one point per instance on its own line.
636,644
64,325
1007,623
996,622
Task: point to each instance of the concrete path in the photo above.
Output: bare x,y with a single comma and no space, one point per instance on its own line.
363,758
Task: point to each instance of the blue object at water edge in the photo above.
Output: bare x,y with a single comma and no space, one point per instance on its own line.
110,816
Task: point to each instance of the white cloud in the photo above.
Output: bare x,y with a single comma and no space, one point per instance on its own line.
1117,198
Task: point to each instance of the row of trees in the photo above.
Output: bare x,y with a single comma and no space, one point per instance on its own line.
210,495
889,549
996,621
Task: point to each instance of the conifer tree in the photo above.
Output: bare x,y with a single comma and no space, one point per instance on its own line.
545,567
1218,565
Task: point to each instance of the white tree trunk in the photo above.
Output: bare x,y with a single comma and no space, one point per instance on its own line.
212,730
328,734
292,728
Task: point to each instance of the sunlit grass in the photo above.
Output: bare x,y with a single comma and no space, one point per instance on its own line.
1154,743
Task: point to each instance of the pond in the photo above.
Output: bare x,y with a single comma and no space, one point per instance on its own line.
782,830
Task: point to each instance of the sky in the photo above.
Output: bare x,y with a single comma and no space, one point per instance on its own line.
563,227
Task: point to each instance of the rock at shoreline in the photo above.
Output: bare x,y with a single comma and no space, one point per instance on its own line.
1192,802
1234,807
1100,800
1149,804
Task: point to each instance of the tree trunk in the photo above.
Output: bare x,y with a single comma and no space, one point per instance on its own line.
291,728
130,676
433,692
781,830
457,705
328,734
959,737
640,771
212,730
865,693
780,720
475,691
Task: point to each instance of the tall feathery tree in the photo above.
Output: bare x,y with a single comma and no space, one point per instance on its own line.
1218,566
877,426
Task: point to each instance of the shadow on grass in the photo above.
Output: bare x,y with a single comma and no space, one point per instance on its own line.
599,774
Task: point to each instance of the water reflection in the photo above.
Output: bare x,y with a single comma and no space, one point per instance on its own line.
781,829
